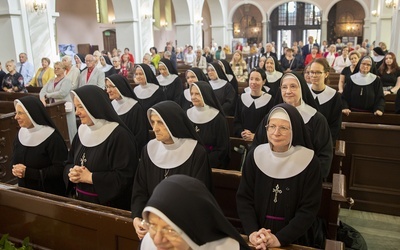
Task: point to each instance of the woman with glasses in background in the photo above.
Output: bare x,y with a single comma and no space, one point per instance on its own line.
364,92
328,100
278,200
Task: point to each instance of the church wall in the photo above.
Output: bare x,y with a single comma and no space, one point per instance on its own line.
78,24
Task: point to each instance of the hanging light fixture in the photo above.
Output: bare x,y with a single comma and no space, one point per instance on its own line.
38,6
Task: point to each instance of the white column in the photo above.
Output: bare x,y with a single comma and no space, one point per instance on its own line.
198,22
264,32
394,40
184,33
229,33
324,32
218,34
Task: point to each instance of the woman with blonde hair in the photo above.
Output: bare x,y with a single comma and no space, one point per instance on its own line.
239,66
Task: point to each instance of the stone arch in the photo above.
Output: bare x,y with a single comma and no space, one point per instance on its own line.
218,21
236,6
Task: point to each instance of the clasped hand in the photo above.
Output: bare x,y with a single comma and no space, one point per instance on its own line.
263,239
80,174
18,170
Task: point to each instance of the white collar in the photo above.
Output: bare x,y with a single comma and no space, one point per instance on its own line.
31,137
217,84
91,136
124,105
229,76
378,58
106,68
306,111
186,93
145,91
259,102
167,156
265,87
273,76
363,79
165,81
325,95
201,115
282,165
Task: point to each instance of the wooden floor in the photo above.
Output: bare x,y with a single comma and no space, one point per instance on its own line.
380,231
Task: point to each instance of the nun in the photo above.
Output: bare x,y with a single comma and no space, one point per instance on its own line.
192,75
175,150
169,81
166,218
39,150
80,62
125,103
280,190
103,157
295,91
274,75
379,56
252,106
223,90
364,91
210,123
106,66
226,67
148,91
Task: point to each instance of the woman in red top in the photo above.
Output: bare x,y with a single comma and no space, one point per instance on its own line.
313,55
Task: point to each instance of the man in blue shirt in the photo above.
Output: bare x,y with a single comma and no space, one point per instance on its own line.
25,68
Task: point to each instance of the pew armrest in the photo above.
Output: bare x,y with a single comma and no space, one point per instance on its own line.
334,245
339,189
340,148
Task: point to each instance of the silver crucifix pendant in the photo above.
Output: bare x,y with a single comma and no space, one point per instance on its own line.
276,191
83,159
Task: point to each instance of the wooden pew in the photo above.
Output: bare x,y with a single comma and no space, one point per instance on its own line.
8,130
61,223
32,89
362,117
226,184
372,164
5,96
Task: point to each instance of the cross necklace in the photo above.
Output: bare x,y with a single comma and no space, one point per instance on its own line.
277,191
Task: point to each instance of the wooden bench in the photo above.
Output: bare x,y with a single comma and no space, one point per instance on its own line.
362,117
5,96
226,184
32,89
372,163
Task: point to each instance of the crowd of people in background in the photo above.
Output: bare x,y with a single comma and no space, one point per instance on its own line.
288,112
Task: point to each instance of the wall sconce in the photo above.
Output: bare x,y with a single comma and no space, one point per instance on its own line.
199,21
390,3
374,13
237,31
147,16
163,23
38,6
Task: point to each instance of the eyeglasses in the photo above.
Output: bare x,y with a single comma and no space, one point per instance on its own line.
291,87
282,130
366,64
316,73
166,232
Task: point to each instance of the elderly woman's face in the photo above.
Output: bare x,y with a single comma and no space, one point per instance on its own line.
270,64
212,73
81,112
103,61
279,134
365,66
160,130
196,97
22,117
10,66
45,64
354,59
291,92
112,91
163,236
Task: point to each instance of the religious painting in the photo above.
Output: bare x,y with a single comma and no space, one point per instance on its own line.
67,49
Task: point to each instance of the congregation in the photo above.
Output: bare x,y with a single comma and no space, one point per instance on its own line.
144,121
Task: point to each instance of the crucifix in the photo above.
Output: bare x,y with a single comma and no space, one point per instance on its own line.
83,159
276,191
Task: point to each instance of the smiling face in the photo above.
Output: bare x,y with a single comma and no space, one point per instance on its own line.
81,113
365,66
112,91
256,82
197,98
270,64
140,77
279,134
191,77
291,92
22,117
354,59
160,130
163,70
212,73
163,236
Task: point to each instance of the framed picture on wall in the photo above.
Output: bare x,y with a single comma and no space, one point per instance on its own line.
67,49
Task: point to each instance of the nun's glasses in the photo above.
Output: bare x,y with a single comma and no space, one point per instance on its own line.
282,130
153,230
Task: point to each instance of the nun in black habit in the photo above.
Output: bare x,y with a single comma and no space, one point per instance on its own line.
280,191
223,90
274,75
148,91
39,150
192,75
103,157
196,223
364,91
176,150
226,67
169,81
295,91
210,123
127,107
